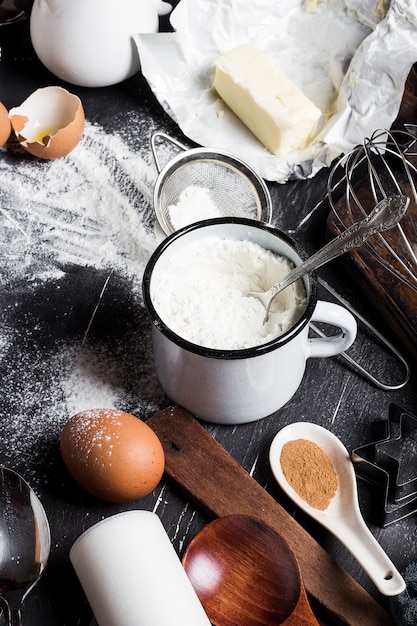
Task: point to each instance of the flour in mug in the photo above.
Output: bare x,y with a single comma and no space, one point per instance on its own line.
201,294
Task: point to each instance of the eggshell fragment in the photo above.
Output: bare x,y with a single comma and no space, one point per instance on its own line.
5,126
49,123
113,455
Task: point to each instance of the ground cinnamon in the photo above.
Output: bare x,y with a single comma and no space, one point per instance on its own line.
309,471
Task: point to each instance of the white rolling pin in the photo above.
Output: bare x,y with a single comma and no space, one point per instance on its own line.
132,575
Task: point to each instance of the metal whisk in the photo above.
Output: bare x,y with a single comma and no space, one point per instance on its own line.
382,166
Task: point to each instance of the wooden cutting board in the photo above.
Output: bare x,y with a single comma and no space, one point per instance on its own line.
215,481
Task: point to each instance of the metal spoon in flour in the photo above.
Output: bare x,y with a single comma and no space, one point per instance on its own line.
25,541
385,215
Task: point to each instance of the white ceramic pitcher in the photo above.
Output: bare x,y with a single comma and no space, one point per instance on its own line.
90,42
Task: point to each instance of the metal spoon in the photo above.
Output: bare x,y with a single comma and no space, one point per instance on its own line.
385,215
342,517
244,573
25,541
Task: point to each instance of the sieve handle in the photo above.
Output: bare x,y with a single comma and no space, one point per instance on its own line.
159,135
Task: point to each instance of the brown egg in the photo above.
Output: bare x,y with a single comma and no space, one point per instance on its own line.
5,126
49,123
113,455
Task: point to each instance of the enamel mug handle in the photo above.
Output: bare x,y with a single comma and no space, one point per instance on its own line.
335,315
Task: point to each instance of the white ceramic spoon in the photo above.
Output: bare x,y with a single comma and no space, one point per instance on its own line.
342,517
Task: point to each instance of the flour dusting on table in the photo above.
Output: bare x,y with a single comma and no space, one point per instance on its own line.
75,236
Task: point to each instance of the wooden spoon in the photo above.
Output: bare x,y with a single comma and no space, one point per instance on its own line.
244,573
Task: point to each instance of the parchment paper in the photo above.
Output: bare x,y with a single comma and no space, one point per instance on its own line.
351,57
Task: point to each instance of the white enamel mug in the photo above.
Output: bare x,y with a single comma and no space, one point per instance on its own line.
239,386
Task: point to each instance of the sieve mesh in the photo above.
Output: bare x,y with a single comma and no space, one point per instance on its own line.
235,189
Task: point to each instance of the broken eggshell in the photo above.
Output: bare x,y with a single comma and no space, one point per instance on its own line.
5,127
49,123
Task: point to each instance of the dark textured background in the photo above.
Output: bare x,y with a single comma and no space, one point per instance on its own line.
43,317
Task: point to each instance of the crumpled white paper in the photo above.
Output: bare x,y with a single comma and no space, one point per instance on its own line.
350,57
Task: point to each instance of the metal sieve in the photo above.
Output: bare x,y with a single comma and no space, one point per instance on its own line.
235,189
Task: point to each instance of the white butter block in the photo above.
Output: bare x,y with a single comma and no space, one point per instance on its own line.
265,99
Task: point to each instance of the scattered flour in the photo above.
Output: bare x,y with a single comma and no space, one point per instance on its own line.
89,208
75,235
200,294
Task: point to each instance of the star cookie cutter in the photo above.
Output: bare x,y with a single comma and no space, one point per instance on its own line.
390,464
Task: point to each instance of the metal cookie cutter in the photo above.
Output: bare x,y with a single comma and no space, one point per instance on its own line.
234,188
391,465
